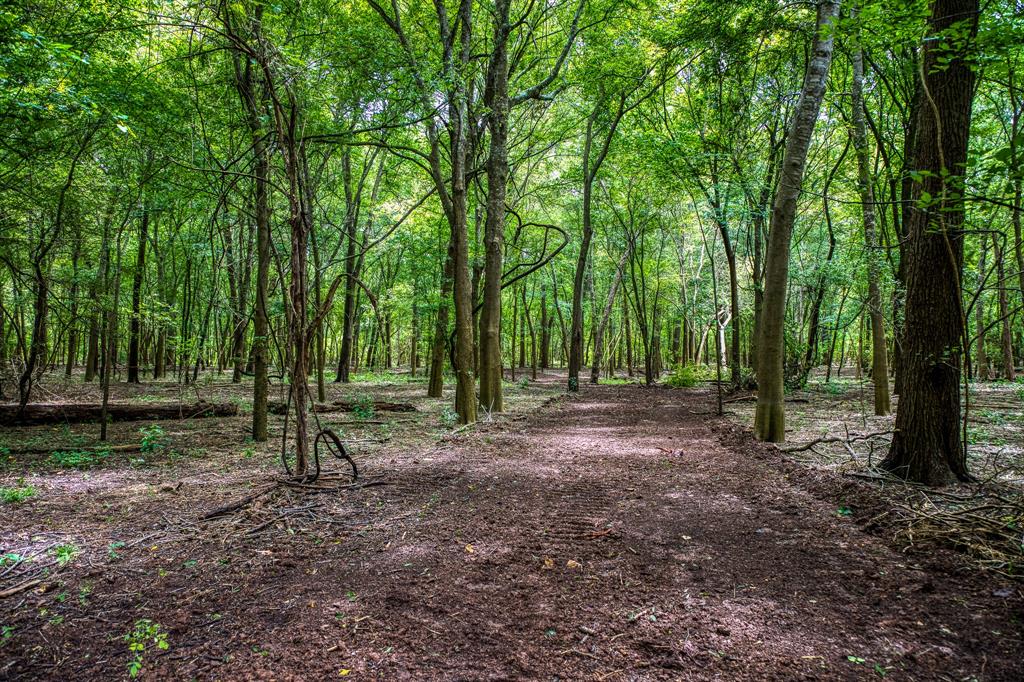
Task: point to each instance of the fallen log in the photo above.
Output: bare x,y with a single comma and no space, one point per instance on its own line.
57,413
347,406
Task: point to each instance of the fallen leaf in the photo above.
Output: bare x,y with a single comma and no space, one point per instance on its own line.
573,564
548,564
343,672
469,549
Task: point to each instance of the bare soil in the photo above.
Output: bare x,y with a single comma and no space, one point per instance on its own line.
621,534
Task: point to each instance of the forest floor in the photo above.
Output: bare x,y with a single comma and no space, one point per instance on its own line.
623,533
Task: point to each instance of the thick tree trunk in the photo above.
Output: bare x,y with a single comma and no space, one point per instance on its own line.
769,420
497,101
927,445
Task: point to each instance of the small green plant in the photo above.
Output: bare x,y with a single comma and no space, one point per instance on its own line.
66,553
6,633
145,635
153,439
362,407
112,550
449,417
248,452
524,383
10,558
78,459
17,493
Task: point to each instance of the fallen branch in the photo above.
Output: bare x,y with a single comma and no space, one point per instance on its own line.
57,413
21,587
744,398
346,406
836,439
238,504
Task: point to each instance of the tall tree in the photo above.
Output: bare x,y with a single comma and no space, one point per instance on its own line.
770,416
927,446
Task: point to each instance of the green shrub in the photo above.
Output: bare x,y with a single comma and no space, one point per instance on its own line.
153,439
66,553
686,376
362,407
449,417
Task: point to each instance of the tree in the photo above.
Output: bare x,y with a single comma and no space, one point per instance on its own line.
769,419
927,446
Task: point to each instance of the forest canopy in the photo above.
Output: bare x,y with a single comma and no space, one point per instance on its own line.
743,192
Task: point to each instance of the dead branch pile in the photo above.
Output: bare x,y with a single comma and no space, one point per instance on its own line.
986,525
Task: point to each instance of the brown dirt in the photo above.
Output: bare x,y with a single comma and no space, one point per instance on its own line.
622,534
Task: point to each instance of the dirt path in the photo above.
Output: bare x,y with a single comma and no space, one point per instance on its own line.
622,534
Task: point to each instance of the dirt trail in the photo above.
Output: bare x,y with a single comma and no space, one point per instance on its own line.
621,534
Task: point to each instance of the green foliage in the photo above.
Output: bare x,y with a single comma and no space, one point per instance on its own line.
65,553
17,493
362,406
449,417
78,459
145,635
688,376
153,439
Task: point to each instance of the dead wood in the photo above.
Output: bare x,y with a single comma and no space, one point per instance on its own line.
836,439
277,407
57,413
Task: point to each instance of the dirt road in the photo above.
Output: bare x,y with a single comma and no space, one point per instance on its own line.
622,534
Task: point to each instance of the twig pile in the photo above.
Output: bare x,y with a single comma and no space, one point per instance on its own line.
985,525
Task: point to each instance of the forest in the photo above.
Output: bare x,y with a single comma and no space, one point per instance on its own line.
511,339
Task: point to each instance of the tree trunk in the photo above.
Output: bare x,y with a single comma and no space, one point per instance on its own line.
497,101
927,445
769,420
879,354
981,371
135,327
609,304
1006,338
436,384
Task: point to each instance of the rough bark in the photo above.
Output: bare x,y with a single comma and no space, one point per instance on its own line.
927,445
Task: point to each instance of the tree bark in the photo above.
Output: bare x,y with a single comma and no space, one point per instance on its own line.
927,446
135,327
770,416
497,101
879,352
